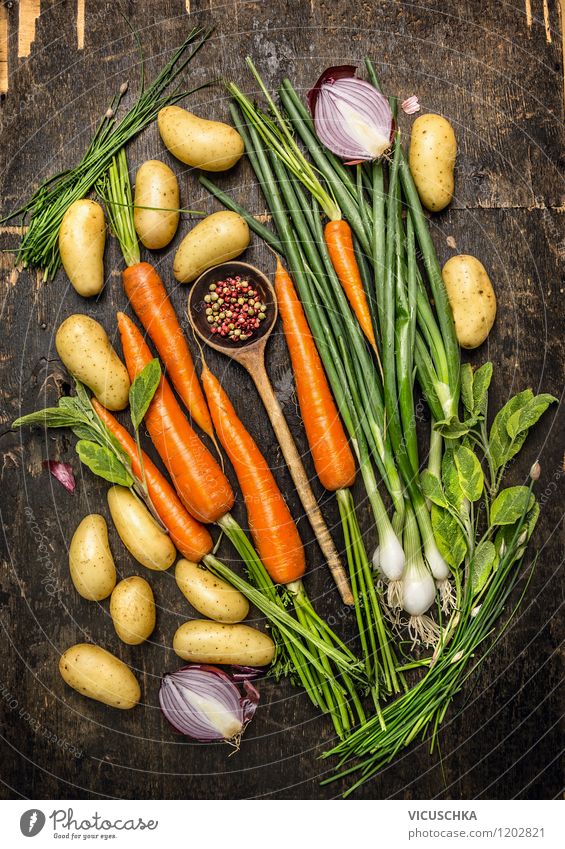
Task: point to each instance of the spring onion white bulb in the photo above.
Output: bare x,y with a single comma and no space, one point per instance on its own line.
392,557
418,588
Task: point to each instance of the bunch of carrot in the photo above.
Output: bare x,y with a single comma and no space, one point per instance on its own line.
325,666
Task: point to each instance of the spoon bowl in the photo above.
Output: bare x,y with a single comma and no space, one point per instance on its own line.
197,307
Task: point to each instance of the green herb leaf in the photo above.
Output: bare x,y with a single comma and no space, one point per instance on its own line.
455,429
506,533
510,504
481,384
501,447
482,564
471,478
103,463
467,387
525,418
451,482
142,391
432,488
52,417
448,536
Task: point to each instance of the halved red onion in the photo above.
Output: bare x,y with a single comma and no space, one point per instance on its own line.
63,472
203,702
239,674
351,117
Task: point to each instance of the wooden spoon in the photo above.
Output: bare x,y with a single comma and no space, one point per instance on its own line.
251,355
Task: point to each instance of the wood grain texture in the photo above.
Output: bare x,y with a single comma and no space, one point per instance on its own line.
3,50
500,81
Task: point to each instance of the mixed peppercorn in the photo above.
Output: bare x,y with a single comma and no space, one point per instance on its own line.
234,308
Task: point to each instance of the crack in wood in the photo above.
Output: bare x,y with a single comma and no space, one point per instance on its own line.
30,10
546,22
80,23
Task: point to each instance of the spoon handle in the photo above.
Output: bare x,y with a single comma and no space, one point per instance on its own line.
300,478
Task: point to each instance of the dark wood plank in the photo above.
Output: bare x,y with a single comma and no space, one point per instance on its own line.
500,82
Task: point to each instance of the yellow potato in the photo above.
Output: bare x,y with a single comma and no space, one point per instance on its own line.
432,159
132,608
218,238
82,237
90,560
201,641
156,186
209,145
472,299
139,531
210,595
85,350
97,674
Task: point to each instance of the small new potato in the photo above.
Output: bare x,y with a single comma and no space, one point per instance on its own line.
85,350
433,149
139,531
97,674
157,187
132,608
472,299
210,595
201,641
218,238
91,564
209,145
82,237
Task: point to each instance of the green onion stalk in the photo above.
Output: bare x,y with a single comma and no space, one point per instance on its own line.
418,713
382,421
380,664
324,665
388,231
44,211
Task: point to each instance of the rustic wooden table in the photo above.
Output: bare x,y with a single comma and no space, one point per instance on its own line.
495,69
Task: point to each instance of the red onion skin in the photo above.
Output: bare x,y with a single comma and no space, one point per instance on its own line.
330,75
63,472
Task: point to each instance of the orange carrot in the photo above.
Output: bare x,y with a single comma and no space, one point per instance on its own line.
189,536
151,303
328,443
200,483
271,525
340,246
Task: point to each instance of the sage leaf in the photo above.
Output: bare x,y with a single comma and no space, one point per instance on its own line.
52,417
454,429
526,417
103,463
142,391
501,447
471,478
482,564
506,533
467,387
481,384
448,536
451,483
510,505
432,488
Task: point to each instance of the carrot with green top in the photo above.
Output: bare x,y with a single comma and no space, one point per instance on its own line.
199,481
190,537
151,303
